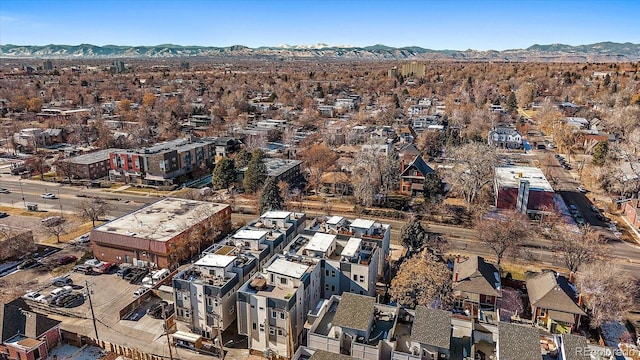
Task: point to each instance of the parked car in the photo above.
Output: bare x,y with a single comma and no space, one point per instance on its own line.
29,263
579,220
3,214
582,189
36,296
84,239
93,262
67,259
123,271
594,209
84,269
73,300
140,291
61,281
48,196
52,220
4,191
573,209
155,311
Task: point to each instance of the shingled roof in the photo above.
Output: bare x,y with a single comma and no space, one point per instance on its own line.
518,342
354,311
432,327
549,291
476,276
15,320
574,347
325,355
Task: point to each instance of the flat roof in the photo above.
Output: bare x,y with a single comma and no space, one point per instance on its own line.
334,220
274,214
215,260
93,157
362,223
287,268
249,234
320,242
510,176
351,248
163,219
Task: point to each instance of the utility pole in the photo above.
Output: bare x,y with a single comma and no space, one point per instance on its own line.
22,192
166,331
60,203
93,316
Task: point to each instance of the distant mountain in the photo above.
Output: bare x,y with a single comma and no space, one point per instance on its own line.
599,52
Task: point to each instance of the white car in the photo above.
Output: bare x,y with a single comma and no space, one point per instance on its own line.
49,196
140,291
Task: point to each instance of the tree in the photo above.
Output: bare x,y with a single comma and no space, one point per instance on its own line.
607,291
92,209
412,235
433,188
600,153
242,159
430,142
56,229
224,174
422,280
503,233
270,199
475,163
512,102
580,248
317,159
34,104
256,172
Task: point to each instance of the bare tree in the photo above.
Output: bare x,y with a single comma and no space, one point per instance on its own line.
422,279
608,292
503,233
578,248
56,229
474,169
93,209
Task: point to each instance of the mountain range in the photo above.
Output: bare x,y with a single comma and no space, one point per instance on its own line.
598,52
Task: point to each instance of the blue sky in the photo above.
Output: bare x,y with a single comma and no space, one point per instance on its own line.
459,25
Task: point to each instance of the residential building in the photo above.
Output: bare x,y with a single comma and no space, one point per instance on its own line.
15,242
414,69
160,234
29,140
505,137
47,65
428,336
26,335
353,325
164,163
91,166
273,304
518,342
577,122
346,265
407,134
337,182
523,188
279,169
553,302
476,286
367,230
631,211
412,175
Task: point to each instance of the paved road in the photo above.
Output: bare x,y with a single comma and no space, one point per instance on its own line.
68,200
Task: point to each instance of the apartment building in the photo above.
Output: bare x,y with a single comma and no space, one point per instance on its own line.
91,166
273,304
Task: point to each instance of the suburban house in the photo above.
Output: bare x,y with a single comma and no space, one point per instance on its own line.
26,335
337,182
505,137
476,286
407,134
352,325
553,302
518,342
412,176
161,234
523,188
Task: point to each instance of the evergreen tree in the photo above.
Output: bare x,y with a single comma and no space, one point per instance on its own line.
512,102
600,153
256,172
242,159
433,186
412,235
224,174
270,199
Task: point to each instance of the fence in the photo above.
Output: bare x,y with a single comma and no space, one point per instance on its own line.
81,340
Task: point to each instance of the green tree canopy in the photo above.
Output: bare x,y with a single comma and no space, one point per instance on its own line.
412,235
242,159
256,173
433,188
270,199
512,102
224,174
600,152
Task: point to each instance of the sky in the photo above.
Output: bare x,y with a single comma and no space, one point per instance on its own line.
433,24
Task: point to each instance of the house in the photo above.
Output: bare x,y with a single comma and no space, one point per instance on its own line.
272,306
26,335
15,242
278,169
476,286
505,137
631,211
553,302
413,175
407,134
337,182
431,333
522,188
518,342
352,325
158,235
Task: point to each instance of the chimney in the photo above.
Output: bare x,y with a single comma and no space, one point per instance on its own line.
456,279
458,258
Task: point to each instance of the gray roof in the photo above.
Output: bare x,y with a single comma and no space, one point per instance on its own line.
574,347
549,291
14,321
420,165
354,311
432,327
518,342
325,355
476,276
93,157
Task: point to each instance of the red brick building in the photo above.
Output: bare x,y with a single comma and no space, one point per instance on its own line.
632,212
163,234
26,335
517,187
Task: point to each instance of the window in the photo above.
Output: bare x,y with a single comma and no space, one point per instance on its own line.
326,272
361,278
282,315
280,332
333,273
272,331
355,277
274,314
232,310
283,280
333,288
254,326
543,312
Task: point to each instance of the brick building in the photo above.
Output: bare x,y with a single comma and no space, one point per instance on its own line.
632,212
95,165
522,187
163,234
